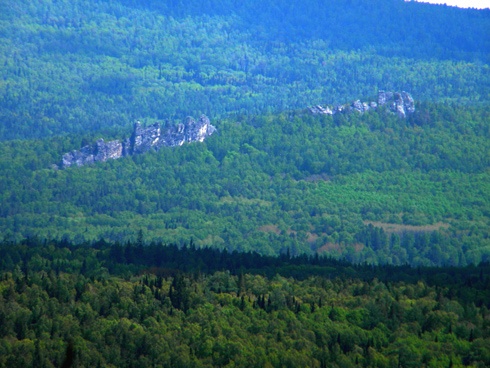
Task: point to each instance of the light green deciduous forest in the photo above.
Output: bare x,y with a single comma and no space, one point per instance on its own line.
372,188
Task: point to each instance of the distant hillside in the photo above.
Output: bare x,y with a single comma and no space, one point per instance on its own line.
83,66
365,187
369,187
394,27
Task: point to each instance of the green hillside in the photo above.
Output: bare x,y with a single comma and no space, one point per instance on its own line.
369,187
287,238
82,66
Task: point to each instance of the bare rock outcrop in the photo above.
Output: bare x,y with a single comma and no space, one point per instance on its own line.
400,103
142,140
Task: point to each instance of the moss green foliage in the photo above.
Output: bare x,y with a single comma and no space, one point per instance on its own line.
66,305
369,188
284,239
78,66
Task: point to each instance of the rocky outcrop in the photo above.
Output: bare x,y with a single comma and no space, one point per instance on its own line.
400,103
142,140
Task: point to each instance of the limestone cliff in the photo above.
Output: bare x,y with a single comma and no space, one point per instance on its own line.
142,140
400,103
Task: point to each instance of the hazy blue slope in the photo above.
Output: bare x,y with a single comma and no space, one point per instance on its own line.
78,66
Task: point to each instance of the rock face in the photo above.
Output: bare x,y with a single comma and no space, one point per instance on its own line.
142,140
400,103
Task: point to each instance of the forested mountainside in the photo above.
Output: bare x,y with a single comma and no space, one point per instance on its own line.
296,235
84,66
369,187
147,305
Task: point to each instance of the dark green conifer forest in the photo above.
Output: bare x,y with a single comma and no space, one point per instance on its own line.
139,304
285,239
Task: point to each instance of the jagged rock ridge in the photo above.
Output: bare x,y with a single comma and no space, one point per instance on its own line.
142,140
400,103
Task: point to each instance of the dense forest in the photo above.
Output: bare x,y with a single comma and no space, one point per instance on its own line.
86,65
285,239
370,187
101,304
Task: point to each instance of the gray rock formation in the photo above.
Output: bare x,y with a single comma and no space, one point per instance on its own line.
142,140
320,110
400,103
105,151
